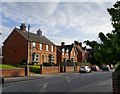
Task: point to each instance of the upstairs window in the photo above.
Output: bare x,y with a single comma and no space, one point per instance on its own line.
40,46
46,47
67,51
34,45
51,48
63,51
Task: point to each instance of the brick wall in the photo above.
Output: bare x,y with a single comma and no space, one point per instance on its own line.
56,69
12,72
49,70
69,68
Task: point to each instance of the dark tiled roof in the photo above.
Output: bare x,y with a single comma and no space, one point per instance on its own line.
35,37
69,47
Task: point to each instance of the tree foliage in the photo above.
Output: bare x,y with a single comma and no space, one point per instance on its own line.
108,51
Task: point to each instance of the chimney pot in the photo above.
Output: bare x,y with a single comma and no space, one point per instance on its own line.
62,43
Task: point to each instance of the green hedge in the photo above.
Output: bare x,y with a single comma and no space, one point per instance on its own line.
34,68
83,64
117,66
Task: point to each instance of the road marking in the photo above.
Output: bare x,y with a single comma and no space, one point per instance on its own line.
67,77
68,80
45,85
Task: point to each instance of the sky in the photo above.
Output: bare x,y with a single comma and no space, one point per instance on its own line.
59,21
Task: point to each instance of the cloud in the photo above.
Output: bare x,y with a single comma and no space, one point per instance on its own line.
57,0
60,21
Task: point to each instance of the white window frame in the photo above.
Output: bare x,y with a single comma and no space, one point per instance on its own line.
52,48
41,46
34,45
36,58
47,48
67,51
63,51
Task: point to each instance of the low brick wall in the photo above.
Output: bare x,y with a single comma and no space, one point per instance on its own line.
12,72
50,70
58,69
78,68
69,68
116,82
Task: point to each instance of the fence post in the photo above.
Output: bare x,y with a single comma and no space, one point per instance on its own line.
41,69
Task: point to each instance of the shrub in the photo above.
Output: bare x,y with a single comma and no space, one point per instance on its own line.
34,68
47,64
67,63
83,64
117,66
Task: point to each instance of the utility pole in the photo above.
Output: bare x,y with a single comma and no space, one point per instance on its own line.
27,67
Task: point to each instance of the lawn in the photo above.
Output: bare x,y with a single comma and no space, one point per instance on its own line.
2,66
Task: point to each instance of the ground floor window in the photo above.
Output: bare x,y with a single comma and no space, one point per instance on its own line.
51,58
35,58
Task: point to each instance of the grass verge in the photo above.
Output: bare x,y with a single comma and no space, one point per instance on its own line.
2,66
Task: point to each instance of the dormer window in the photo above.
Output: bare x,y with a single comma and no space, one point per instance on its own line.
34,45
63,51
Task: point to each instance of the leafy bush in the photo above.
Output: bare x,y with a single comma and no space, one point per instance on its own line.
47,64
2,66
117,66
20,66
34,68
83,64
67,63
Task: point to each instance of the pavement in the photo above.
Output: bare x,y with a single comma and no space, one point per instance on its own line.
32,76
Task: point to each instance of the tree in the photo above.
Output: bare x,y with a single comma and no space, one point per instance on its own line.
108,51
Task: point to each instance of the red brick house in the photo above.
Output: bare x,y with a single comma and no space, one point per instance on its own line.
21,46
73,53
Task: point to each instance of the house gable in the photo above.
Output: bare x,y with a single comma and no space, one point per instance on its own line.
14,48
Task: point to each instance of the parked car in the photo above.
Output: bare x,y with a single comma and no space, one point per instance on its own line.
1,79
105,68
95,68
84,69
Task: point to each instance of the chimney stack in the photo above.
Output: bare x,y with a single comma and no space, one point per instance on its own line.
76,42
23,27
62,43
80,44
39,32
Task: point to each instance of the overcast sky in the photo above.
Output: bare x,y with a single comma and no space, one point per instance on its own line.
59,21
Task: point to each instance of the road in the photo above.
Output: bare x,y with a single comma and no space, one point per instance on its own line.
65,82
